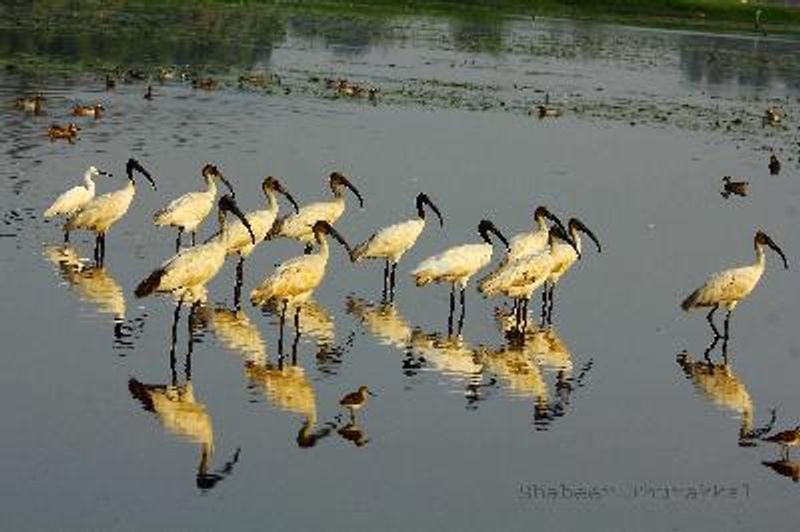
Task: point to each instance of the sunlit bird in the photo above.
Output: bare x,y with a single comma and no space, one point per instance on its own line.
188,211
737,188
296,279
354,401
186,274
786,439
299,226
728,287
391,243
104,211
458,264
565,254
534,240
94,111
68,132
75,198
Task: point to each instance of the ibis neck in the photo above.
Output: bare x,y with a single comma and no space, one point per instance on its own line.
272,201
211,186
541,223
760,256
576,237
89,183
324,249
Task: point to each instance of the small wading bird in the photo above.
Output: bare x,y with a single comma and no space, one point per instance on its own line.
786,439
94,111
188,211
68,132
738,188
390,243
457,264
728,287
518,279
535,240
186,274
236,235
355,400
104,211
295,280
75,198
32,104
772,116
299,226
774,164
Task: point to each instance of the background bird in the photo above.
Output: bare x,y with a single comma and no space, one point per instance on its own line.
75,198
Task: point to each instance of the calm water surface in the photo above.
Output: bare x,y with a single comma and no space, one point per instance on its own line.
602,420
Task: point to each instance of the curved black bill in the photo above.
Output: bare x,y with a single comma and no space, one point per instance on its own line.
771,243
290,198
352,187
227,203
557,232
132,165
227,183
425,199
582,227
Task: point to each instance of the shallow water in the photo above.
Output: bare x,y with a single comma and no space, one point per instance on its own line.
467,431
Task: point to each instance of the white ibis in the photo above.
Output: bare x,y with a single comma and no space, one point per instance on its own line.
728,287
104,211
390,243
188,211
535,240
75,198
186,274
299,226
457,264
295,280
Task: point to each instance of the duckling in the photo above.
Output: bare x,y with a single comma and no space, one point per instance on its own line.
206,84
68,132
30,103
774,164
739,188
772,116
95,111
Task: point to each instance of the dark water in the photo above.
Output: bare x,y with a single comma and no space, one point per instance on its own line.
592,422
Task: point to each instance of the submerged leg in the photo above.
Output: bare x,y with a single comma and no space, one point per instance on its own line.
727,324
551,299
237,288
463,310
194,236
391,281
66,234
385,280
178,240
296,335
308,249
280,334
452,310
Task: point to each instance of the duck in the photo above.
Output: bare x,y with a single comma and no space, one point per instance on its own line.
68,132
94,111
31,104
774,164
739,188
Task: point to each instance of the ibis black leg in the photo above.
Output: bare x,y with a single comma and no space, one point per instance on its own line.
391,282
194,237
463,310
66,235
280,334
710,319
296,335
551,299
237,288
452,310
178,240
385,280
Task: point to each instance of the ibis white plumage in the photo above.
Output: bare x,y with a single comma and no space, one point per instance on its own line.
728,287
535,240
391,243
296,279
71,201
457,264
564,256
188,211
299,226
186,274
104,211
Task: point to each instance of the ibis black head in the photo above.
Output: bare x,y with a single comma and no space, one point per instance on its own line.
337,181
423,199
132,165
272,184
485,227
577,225
543,213
322,228
211,171
557,232
762,239
227,204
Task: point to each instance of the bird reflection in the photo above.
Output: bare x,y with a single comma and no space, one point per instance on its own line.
785,467
383,321
353,433
95,285
180,412
719,384
543,343
237,332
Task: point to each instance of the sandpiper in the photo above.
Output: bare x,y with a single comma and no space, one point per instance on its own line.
355,400
786,439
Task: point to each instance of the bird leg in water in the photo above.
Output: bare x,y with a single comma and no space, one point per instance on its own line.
194,236
178,240
524,315
463,310
452,310
308,249
550,303
237,288
727,324
66,234
385,281
296,335
280,335
172,361
710,319
391,282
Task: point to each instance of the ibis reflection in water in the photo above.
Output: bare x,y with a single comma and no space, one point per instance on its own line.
457,265
104,211
74,199
392,242
728,287
179,411
187,212
300,226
